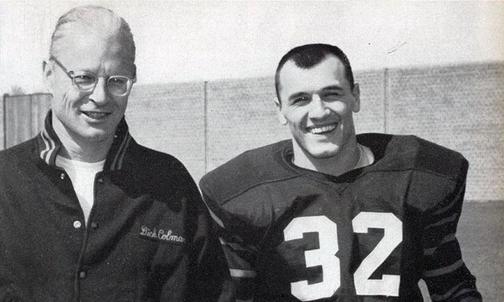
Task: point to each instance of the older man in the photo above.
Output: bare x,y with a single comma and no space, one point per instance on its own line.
333,216
87,214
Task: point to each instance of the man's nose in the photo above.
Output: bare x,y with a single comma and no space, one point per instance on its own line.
99,94
318,108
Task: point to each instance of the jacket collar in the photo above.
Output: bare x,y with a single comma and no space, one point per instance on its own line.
49,145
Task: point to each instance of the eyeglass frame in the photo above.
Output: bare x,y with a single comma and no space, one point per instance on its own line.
70,74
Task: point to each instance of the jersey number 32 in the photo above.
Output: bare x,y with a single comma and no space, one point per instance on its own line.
324,256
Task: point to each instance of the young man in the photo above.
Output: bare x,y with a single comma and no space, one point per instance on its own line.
87,214
335,216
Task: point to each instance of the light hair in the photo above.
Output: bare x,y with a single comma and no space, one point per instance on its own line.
93,20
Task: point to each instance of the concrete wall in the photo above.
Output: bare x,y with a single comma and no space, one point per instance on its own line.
460,107
205,124
22,117
170,118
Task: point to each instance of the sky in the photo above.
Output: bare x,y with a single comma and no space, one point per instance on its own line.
184,41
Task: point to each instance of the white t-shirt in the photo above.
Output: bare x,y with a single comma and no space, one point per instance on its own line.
82,175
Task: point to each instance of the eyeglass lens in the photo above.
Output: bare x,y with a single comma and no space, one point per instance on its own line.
116,85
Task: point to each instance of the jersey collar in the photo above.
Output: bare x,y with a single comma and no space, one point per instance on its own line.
49,145
286,155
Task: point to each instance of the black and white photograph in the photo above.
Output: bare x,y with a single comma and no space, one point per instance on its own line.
266,151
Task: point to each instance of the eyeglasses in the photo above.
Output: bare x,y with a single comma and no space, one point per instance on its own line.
85,81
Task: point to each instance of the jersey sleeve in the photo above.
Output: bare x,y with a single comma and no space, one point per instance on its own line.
240,257
444,271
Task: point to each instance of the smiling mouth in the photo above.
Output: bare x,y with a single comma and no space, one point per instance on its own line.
322,129
96,115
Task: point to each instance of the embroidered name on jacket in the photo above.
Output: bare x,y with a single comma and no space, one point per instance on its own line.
160,234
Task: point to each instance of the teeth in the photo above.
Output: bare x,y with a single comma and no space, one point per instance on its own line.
96,115
322,129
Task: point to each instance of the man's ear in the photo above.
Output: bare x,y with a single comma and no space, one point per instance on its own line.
356,95
47,74
280,116
134,71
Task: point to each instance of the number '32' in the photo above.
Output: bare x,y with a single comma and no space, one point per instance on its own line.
324,256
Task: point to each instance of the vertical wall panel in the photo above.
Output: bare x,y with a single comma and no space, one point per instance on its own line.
169,118
24,116
2,122
460,107
371,116
18,123
40,105
241,115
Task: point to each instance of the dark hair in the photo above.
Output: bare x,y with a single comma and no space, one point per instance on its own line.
309,55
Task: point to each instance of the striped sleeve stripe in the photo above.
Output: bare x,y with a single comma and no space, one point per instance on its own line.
237,246
443,221
123,151
447,294
464,291
48,154
234,246
446,239
47,144
118,159
248,300
222,241
446,208
239,273
444,270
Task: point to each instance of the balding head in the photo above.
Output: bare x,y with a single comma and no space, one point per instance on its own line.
83,22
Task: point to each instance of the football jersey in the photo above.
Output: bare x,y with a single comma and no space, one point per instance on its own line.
292,234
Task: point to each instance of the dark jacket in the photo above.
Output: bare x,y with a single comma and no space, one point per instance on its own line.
147,238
